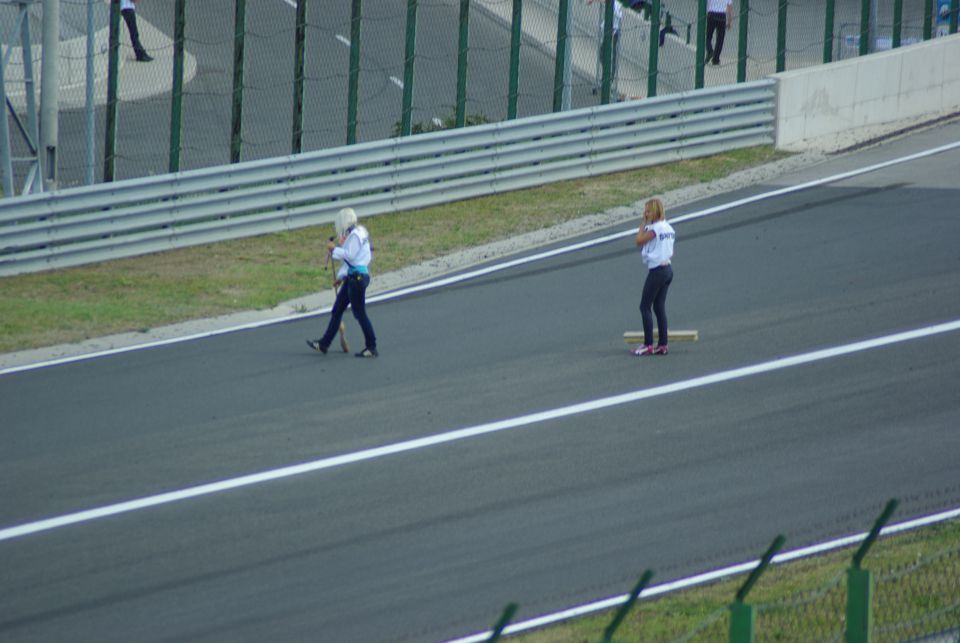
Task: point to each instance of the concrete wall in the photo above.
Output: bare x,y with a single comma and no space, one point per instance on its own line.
837,105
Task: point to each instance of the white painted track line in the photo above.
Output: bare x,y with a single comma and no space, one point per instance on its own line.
375,453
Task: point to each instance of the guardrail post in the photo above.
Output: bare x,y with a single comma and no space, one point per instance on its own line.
743,616
782,36
463,50
236,120
626,607
505,618
514,84
701,42
829,13
860,585
653,59
353,78
410,54
176,95
742,51
296,143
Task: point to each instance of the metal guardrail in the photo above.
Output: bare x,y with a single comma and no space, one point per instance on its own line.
127,218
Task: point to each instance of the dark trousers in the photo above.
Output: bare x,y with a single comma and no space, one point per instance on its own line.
130,17
655,297
353,292
716,22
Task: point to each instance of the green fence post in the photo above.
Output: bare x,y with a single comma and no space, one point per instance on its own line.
296,144
505,618
928,19
462,51
864,27
860,585
625,608
743,617
353,77
782,36
742,52
653,59
606,54
954,10
236,122
560,64
113,67
828,32
410,53
701,42
176,95
515,33
897,22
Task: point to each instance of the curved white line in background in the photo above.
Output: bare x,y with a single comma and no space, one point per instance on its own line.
456,435
707,577
473,274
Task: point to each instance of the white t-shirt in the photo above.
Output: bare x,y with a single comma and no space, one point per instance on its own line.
659,250
126,4
718,6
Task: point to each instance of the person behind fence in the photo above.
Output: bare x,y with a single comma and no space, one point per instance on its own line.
355,253
128,9
656,238
614,43
719,19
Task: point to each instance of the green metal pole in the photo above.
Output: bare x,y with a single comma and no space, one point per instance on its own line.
236,122
864,27
353,79
954,10
742,616
296,143
701,42
928,19
626,607
874,532
606,53
113,67
502,622
828,32
462,51
176,96
654,57
860,584
897,22
515,32
409,56
782,36
742,50
563,13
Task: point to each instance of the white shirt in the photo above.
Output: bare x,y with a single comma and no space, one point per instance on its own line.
659,250
718,6
355,250
126,4
617,16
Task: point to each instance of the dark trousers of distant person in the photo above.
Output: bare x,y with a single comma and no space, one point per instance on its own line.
716,22
130,17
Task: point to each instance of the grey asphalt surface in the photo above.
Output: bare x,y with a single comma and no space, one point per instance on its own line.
432,544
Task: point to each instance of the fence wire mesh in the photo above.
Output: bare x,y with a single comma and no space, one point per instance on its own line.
247,113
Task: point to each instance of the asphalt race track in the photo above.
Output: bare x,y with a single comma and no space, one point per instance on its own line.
429,541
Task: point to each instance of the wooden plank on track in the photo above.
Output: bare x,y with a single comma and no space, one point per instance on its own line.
636,337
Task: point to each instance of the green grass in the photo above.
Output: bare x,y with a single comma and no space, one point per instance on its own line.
140,293
917,592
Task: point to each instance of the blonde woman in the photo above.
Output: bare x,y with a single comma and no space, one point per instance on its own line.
655,239
355,253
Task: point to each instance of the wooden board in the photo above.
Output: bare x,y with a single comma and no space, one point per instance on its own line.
636,337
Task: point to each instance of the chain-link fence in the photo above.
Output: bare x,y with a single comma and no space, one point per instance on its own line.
235,80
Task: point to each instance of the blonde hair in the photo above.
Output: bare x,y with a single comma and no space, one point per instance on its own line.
655,207
346,218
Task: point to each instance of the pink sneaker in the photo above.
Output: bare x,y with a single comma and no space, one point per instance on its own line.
661,350
643,350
